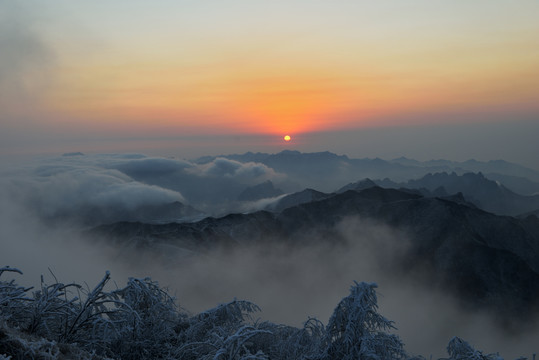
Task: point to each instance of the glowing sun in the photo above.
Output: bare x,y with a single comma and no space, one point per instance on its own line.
287,138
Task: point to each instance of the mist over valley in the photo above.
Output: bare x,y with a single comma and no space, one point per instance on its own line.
454,253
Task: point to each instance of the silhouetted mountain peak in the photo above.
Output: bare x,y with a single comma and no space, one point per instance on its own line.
439,191
358,186
301,197
289,153
386,195
260,191
459,199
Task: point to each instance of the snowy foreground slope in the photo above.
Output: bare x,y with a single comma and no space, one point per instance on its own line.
142,321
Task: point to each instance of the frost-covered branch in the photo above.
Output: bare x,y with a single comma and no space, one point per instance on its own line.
142,321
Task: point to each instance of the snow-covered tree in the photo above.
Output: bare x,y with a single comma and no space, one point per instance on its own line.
148,316
459,349
356,331
224,332
291,343
142,321
13,299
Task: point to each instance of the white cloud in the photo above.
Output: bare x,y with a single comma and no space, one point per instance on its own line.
134,194
249,172
111,183
61,185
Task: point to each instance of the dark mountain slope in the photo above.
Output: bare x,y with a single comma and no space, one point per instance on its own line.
233,229
357,186
484,258
301,197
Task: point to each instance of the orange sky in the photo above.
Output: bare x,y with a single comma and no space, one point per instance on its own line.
285,99
293,72
259,67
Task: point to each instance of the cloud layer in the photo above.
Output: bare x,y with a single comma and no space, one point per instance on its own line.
113,184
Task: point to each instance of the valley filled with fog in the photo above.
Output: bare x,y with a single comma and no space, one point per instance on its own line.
452,246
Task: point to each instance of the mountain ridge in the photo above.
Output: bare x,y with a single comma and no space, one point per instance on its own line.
476,188
326,171
500,271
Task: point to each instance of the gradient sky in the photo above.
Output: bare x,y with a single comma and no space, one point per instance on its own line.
238,75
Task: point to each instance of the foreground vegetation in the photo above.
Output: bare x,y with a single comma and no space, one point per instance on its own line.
142,321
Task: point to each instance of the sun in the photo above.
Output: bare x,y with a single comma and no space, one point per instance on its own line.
287,138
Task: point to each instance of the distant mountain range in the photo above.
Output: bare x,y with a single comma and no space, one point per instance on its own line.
488,167
486,194
211,184
486,259
474,189
219,185
326,171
